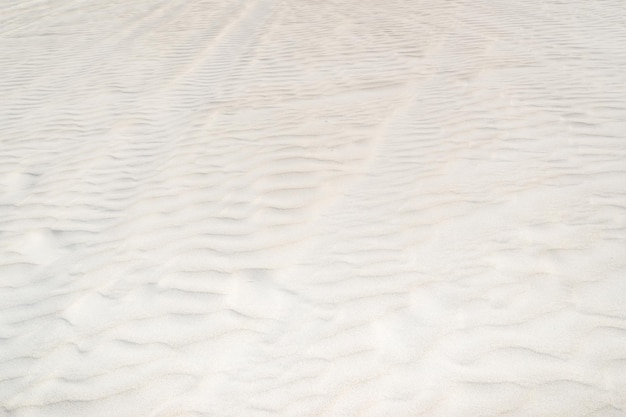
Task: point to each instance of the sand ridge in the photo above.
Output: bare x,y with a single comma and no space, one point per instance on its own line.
291,208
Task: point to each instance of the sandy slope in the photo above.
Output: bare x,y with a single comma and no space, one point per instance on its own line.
312,208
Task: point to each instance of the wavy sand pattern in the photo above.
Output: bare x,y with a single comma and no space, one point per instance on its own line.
312,208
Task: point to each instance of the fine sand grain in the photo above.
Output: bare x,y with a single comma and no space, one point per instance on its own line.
304,208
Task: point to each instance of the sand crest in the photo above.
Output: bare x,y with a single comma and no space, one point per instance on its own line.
312,208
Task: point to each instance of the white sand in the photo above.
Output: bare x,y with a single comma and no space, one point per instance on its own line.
312,208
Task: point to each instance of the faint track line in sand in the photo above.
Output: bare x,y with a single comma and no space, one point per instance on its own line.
157,16
249,18
32,22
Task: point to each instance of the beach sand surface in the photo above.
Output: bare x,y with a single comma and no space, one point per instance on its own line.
296,208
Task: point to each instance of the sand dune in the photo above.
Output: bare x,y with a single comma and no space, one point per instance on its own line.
302,208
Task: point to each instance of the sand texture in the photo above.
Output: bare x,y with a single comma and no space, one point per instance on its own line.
307,208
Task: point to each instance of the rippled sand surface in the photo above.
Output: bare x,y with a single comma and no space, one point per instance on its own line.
312,208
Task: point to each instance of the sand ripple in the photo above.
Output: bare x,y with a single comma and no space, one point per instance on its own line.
301,208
